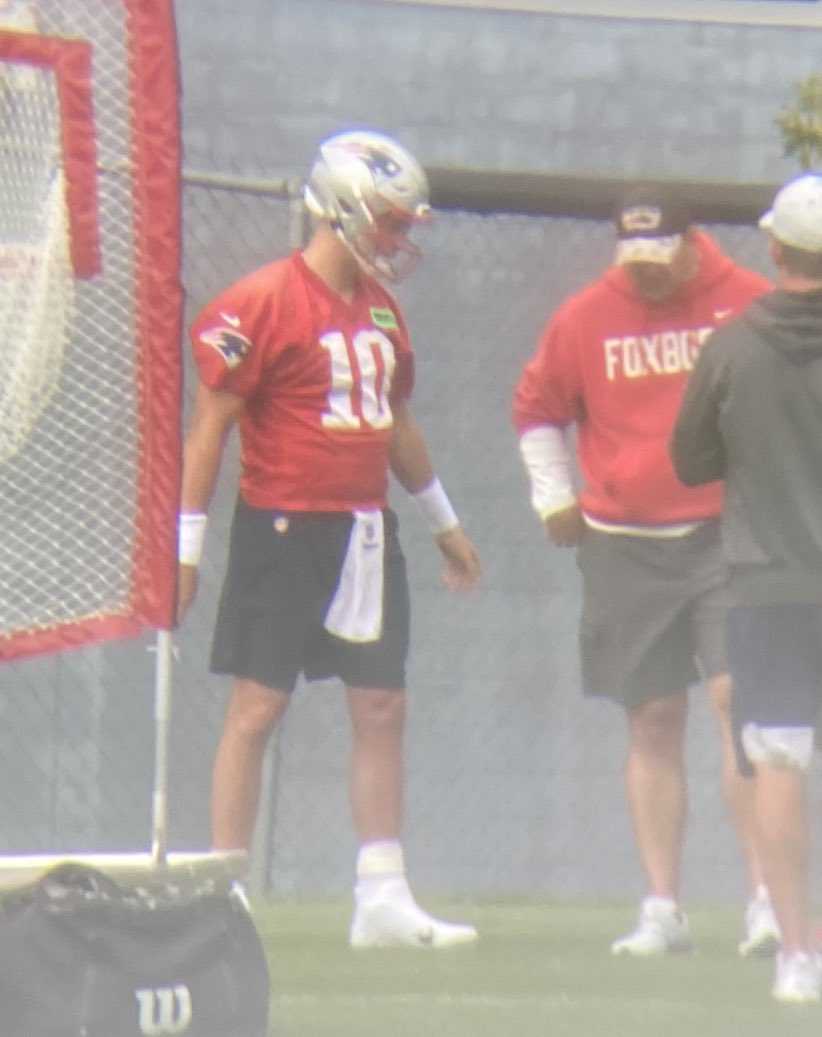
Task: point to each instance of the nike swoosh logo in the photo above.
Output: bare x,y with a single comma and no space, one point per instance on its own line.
721,314
233,321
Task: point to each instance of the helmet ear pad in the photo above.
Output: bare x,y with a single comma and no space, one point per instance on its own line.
357,178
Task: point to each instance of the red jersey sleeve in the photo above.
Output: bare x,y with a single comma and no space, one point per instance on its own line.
549,391
234,337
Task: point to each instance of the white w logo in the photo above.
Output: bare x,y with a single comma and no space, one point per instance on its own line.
164,1010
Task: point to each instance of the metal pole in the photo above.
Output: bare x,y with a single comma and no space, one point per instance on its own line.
162,718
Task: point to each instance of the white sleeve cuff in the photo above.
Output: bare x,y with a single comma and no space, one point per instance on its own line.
548,463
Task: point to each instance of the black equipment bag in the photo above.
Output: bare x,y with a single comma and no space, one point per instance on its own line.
83,956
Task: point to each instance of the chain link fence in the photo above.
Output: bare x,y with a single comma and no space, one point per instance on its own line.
499,739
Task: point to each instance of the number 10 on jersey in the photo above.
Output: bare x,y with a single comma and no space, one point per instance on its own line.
363,376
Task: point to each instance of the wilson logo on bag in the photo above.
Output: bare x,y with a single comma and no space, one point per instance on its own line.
164,1010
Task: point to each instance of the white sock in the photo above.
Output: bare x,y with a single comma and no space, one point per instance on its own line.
663,903
381,872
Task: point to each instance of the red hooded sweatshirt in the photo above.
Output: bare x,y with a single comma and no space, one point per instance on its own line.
617,366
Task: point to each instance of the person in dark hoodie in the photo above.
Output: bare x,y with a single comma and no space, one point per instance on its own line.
752,415
613,361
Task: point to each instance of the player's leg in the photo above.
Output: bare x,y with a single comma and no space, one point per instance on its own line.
376,777
782,817
263,621
761,930
386,913
252,714
708,618
738,789
656,786
374,673
635,650
762,934
775,657
783,840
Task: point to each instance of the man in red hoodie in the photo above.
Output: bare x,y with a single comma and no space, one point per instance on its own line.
613,361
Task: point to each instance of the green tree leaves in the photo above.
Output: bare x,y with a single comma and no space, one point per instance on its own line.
801,122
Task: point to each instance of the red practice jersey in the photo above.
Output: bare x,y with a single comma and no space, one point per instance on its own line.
617,366
318,376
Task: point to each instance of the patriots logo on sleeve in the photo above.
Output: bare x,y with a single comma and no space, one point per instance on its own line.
227,340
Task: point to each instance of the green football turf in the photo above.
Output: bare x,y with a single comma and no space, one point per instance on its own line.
539,969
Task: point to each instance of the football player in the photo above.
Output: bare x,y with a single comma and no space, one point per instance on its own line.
310,356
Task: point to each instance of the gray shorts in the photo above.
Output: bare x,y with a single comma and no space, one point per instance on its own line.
653,613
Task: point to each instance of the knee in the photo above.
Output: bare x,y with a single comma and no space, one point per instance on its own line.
657,727
378,712
253,712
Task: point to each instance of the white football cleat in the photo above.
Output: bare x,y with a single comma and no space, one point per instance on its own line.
397,923
762,935
662,929
798,979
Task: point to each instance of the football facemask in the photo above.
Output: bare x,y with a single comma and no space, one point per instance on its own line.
372,192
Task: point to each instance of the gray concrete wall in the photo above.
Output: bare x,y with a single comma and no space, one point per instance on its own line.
265,79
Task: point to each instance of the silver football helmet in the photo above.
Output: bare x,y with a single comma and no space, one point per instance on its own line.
371,190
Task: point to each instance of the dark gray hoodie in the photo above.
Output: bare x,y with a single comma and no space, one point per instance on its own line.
752,414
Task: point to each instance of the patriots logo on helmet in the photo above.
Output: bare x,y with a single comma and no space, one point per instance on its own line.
377,159
382,164
229,343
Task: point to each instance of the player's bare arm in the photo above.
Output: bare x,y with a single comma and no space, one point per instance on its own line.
214,414
411,464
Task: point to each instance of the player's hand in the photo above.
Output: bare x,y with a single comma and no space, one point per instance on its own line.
462,565
565,528
186,589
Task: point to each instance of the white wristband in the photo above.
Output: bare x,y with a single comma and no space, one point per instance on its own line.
192,527
436,508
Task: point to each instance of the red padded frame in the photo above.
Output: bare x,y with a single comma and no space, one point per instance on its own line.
70,61
155,136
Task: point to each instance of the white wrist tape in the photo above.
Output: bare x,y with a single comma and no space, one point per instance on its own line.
192,527
436,508
548,463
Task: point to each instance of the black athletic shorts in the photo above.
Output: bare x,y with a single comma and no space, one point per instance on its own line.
283,571
653,613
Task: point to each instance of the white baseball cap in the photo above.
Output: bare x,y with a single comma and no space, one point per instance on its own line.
795,218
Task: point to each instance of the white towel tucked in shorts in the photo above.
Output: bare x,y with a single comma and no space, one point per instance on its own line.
355,612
